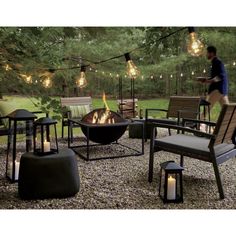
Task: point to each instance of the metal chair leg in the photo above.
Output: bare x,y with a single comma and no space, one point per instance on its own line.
218,180
181,160
62,130
151,156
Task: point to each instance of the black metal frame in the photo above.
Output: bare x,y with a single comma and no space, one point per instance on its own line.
88,144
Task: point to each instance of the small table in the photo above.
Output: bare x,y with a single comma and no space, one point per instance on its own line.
88,144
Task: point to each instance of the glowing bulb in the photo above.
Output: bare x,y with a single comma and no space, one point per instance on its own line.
26,78
204,71
117,75
195,46
192,72
160,76
103,72
81,81
96,71
142,77
132,70
181,75
47,82
7,67
152,77
171,76
234,63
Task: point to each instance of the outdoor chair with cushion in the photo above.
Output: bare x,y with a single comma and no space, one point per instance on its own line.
214,148
74,108
179,107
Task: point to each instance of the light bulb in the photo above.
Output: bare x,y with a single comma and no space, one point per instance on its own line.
195,46
181,75
81,81
132,70
171,76
234,63
26,78
192,72
47,82
7,67
160,76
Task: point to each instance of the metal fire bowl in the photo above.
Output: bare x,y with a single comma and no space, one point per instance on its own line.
103,133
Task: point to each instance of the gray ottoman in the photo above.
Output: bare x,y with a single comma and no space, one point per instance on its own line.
51,176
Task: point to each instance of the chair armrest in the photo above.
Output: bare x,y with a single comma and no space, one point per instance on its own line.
154,109
198,121
183,129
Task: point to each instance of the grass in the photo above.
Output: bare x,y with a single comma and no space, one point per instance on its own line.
25,103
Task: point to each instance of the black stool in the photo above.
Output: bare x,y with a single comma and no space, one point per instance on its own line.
51,176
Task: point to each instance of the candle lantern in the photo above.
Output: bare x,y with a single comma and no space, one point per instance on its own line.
44,142
171,182
20,129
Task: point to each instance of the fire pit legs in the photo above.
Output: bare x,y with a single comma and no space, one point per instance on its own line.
88,145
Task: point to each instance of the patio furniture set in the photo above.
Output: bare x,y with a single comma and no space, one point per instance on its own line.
54,172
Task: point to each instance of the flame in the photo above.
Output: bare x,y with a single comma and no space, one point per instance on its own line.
105,117
105,101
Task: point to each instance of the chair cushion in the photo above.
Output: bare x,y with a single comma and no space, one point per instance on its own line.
189,144
78,111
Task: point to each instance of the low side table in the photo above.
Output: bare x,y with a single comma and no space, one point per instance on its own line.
51,176
137,132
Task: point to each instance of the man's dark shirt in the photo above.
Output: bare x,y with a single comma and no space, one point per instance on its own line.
218,69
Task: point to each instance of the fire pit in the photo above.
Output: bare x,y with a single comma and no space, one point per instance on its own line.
105,126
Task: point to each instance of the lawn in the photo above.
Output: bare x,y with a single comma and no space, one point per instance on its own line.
22,102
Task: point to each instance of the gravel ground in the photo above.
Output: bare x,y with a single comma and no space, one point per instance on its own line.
122,184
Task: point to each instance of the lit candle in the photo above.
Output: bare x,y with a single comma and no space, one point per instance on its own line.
171,194
46,146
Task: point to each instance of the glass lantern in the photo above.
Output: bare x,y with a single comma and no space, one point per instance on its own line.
44,142
171,182
19,140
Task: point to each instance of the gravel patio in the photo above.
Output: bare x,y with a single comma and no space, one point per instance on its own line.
122,184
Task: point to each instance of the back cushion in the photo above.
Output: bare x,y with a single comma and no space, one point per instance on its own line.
77,112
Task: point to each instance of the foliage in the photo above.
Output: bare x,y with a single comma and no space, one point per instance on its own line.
34,50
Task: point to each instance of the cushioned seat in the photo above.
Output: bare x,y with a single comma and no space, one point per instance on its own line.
185,144
51,176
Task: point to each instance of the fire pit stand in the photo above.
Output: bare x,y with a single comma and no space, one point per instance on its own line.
89,128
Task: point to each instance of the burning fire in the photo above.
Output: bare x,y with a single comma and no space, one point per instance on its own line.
105,117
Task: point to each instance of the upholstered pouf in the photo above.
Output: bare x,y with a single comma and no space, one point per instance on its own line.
51,176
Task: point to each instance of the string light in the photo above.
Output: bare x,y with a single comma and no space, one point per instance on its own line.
27,78
152,76
7,67
142,77
234,63
47,82
204,71
81,81
117,75
132,70
195,46
160,76
96,71
171,76
181,75
192,72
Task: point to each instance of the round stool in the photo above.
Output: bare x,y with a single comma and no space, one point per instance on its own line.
51,176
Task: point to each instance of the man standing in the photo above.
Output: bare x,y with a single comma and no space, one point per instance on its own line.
218,81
